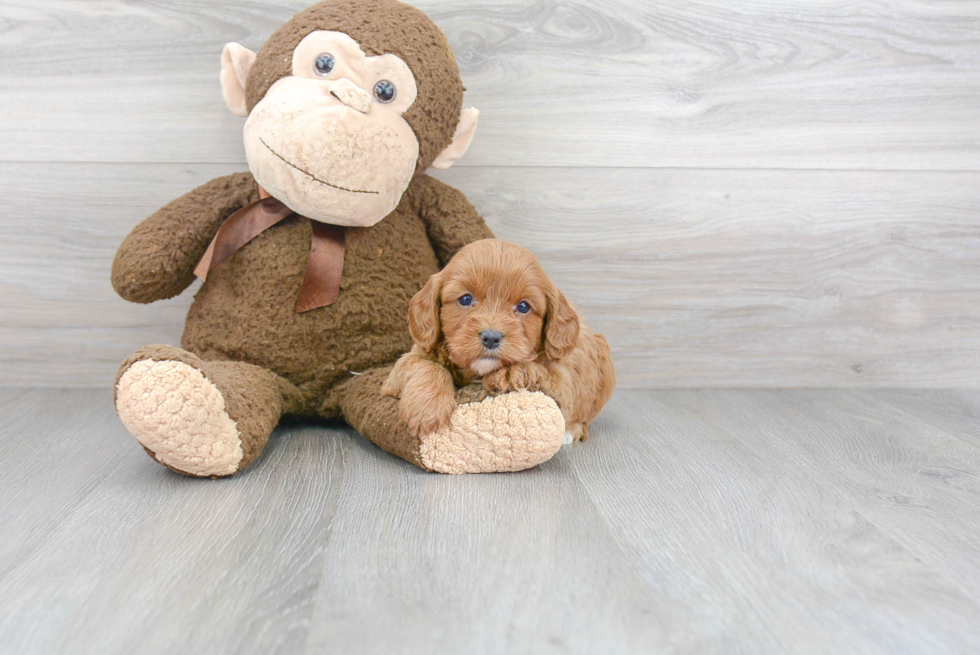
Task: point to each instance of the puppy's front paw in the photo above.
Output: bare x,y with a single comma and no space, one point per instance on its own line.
497,380
525,375
426,410
400,374
391,387
516,377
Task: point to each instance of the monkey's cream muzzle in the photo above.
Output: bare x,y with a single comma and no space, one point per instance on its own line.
328,152
321,143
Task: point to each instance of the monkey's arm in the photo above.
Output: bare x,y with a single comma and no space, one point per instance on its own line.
451,220
158,257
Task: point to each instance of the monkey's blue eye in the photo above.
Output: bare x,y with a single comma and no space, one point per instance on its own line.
324,64
466,300
523,307
384,91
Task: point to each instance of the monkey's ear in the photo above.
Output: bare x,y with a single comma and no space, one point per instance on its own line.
423,314
236,61
462,139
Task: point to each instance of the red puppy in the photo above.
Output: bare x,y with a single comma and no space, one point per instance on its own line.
492,312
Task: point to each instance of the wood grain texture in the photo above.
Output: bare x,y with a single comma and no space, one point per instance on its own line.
49,443
106,551
779,507
831,84
906,479
698,278
477,564
650,153
691,521
954,412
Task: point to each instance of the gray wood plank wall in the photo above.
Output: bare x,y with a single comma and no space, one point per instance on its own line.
737,193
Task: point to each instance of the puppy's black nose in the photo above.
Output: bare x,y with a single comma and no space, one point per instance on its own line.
491,339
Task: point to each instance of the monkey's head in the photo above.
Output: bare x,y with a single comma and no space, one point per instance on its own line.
346,102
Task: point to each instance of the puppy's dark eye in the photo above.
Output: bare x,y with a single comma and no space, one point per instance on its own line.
324,64
466,300
523,307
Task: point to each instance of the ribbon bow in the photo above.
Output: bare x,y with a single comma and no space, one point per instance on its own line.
324,267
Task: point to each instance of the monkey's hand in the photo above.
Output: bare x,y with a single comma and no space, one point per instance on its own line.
158,257
521,375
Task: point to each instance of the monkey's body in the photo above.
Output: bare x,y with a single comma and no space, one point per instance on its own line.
323,147
243,327
245,308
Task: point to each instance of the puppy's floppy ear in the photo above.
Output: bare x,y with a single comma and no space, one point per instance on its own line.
423,314
560,326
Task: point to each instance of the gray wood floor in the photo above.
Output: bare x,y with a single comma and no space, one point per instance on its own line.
742,521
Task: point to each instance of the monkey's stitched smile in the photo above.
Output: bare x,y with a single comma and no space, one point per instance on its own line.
311,175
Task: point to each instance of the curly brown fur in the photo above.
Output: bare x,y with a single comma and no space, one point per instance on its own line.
545,348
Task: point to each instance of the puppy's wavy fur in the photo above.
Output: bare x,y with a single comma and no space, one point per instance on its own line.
546,348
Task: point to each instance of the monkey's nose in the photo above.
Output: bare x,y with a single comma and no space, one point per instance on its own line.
351,95
491,339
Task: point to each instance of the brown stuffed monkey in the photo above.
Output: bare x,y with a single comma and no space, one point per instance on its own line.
310,259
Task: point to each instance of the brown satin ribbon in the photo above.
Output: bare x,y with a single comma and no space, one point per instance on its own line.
324,267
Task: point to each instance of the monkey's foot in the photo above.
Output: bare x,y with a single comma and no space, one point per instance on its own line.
200,418
179,416
511,432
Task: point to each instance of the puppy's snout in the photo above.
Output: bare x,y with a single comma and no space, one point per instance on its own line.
491,339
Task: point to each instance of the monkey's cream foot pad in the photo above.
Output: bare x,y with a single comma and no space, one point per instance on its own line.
512,432
179,415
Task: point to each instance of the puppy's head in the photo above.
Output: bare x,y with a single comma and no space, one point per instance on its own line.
492,306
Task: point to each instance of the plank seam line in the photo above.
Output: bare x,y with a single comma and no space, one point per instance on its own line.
528,166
